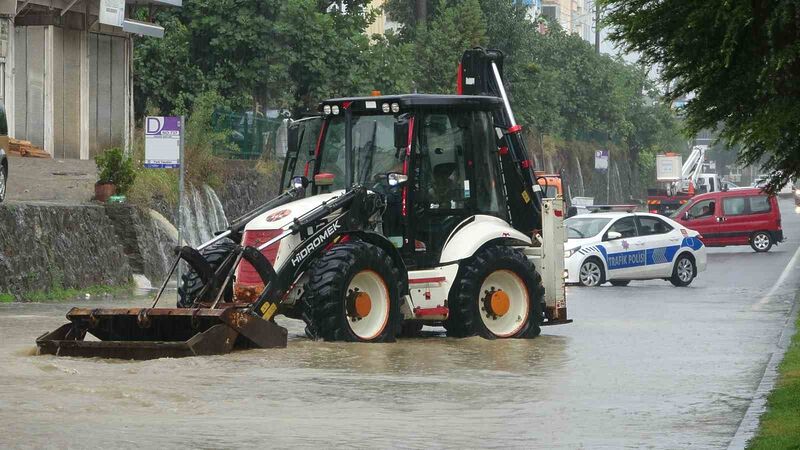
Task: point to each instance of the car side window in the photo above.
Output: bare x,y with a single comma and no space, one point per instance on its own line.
703,208
625,226
759,204
652,225
733,206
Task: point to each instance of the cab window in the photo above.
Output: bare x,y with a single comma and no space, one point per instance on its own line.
625,226
759,204
652,226
733,206
704,208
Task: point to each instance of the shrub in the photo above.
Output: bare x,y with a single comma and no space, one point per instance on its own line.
114,167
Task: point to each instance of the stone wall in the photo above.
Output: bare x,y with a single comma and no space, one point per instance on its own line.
246,188
43,246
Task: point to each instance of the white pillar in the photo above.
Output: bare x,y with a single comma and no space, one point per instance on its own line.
84,119
128,93
49,89
11,117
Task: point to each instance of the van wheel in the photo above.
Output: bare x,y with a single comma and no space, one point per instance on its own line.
684,271
761,241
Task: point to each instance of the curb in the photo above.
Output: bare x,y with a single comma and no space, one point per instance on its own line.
749,425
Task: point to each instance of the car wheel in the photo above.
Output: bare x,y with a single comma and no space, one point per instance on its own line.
684,271
620,282
761,241
591,273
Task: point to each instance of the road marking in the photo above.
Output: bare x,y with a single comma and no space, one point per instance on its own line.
784,275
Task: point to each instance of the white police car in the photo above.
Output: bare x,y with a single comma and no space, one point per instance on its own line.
623,246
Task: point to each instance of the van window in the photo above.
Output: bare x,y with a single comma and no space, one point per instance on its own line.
704,208
759,204
733,206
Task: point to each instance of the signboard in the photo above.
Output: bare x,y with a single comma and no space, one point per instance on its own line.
162,142
112,12
668,168
601,160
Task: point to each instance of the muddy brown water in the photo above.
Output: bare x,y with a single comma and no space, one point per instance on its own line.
644,366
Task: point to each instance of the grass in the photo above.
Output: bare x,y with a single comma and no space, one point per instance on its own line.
6,298
780,424
60,293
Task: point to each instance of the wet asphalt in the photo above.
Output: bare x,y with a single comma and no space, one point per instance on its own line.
643,366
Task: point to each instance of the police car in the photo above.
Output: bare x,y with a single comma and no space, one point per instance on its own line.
618,247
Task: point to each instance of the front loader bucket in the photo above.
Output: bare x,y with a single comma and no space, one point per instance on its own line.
148,333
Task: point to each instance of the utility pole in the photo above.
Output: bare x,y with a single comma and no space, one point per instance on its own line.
596,27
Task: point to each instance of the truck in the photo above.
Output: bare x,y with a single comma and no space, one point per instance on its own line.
680,182
406,211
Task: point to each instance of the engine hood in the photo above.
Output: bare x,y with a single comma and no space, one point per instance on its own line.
283,215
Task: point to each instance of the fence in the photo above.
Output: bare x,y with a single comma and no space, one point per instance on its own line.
251,134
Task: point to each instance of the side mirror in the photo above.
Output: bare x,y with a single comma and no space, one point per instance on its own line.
686,216
396,179
401,133
299,182
612,235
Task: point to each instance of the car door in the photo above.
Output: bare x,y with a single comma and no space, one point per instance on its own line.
661,241
735,223
702,216
625,256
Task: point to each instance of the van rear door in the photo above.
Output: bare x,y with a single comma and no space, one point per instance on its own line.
736,221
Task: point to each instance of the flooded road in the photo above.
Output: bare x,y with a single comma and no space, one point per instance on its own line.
644,366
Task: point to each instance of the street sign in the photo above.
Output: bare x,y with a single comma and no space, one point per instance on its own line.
668,168
162,142
601,160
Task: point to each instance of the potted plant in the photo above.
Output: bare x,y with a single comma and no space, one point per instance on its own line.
115,174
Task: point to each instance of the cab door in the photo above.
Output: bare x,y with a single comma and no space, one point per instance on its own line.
625,256
661,243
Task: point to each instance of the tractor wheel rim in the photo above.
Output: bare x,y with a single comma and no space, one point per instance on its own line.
516,311
685,270
590,274
369,313
761,241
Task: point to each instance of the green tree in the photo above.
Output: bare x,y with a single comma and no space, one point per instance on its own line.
740,60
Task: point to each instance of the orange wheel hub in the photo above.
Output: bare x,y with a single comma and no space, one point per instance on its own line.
498,303
360,305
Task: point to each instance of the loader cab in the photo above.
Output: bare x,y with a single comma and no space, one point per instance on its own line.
434,158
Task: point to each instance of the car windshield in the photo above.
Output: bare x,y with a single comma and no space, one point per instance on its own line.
585,227
373,145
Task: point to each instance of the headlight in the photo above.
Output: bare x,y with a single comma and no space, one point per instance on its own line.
385,108
395,108
571,251
335,109
326,109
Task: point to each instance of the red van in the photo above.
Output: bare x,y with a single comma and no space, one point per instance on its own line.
734,217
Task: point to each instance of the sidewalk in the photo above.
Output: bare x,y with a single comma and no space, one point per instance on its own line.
66,181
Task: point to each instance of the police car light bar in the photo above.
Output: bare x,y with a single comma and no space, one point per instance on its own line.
609,208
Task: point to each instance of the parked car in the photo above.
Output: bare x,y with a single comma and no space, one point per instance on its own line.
3,156
735,217
618,247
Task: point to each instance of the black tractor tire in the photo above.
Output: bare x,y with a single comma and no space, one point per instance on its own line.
761,241
684,260
411,329
465,300
327,293
621,283
192,284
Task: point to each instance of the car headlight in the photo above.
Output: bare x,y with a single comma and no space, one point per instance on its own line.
571,251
